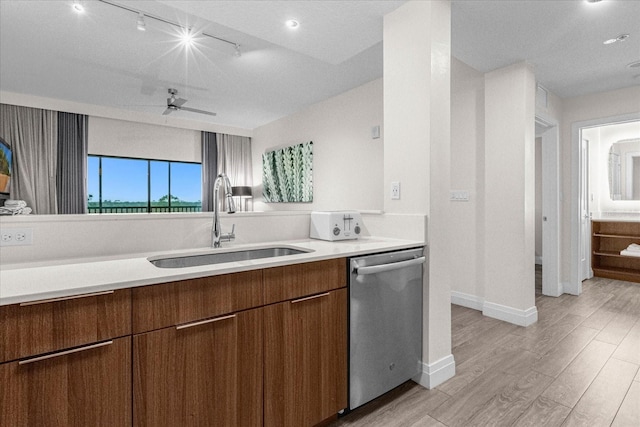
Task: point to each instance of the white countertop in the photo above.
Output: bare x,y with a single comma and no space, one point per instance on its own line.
32,282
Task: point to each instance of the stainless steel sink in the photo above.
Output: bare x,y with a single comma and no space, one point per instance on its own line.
222,257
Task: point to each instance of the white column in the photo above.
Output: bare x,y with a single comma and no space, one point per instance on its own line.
510,195
417,67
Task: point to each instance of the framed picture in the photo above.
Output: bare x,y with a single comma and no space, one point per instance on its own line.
287,174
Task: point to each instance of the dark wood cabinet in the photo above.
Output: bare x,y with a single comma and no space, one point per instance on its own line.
167,304
83,386
263,347
294,281
305,359
206,373
50,325
608,239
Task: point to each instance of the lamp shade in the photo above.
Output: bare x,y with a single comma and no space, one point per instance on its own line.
241,191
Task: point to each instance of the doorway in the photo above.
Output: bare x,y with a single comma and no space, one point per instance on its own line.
581,196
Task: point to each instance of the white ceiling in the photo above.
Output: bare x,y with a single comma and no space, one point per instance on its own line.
563,40
100,58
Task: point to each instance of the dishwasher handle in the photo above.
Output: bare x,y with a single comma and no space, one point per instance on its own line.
388,267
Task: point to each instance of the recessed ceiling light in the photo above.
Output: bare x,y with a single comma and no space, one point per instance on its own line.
292,23
620,38
78,7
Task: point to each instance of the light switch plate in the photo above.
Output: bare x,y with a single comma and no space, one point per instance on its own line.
375,132
459,196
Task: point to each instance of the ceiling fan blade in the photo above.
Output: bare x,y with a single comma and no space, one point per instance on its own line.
193,110
179,102
167,111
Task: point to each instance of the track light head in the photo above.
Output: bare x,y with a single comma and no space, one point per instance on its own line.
140,24
186,37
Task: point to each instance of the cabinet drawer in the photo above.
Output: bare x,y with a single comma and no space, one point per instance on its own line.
294,281
87,386
174,303
43,326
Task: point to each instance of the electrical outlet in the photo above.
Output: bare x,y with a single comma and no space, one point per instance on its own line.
395,190
16,237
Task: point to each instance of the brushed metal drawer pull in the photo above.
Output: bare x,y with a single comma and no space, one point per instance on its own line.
44,301
64,353
309,298
204,322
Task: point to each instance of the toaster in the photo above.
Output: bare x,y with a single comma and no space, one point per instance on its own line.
335,225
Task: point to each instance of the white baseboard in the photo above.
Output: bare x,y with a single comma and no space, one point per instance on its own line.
467,300
434,374
538,260
509,314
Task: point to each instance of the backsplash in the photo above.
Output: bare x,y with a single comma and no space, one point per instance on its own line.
66,237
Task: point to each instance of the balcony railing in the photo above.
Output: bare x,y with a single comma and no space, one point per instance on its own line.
142,209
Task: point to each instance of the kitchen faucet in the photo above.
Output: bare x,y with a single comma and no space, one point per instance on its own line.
217,235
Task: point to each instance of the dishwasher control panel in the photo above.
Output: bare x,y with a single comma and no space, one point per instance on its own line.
335,225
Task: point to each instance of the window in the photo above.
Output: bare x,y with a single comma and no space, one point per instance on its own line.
123,185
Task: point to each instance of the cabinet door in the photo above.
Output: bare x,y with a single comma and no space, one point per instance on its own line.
206,373
84,386
305,359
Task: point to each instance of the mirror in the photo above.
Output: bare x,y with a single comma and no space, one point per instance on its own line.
624,170
287,174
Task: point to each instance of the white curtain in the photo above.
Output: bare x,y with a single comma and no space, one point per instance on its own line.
33,136
234,159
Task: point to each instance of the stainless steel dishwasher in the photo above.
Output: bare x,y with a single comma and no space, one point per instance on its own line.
385,322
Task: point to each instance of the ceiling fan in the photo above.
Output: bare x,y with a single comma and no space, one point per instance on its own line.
176,104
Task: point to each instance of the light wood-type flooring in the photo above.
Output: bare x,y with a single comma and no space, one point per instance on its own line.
578,365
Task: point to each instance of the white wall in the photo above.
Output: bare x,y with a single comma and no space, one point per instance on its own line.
347,162
467,173
112,137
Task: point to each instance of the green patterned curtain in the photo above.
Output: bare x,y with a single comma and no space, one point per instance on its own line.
287,174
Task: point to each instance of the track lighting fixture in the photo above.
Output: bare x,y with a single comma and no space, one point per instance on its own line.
186,37
140,23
